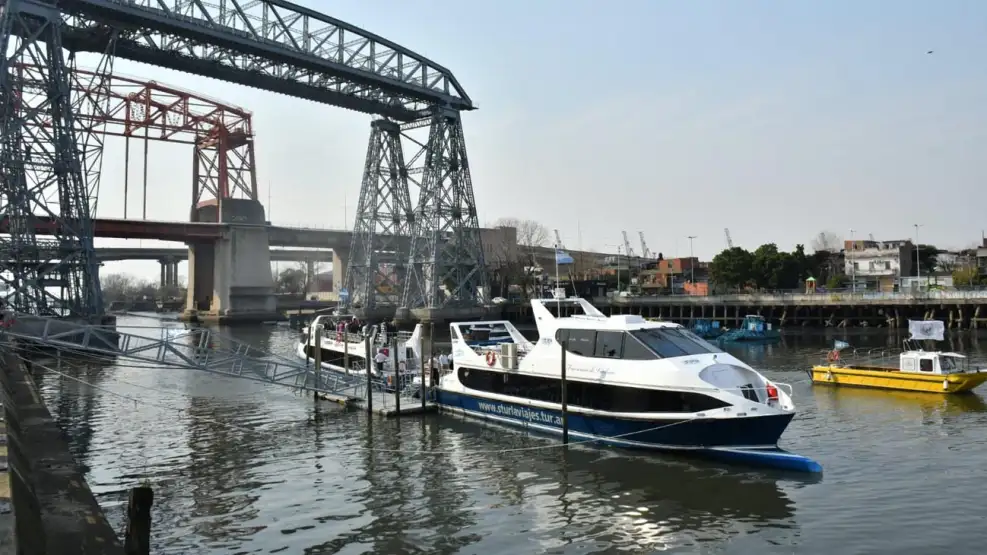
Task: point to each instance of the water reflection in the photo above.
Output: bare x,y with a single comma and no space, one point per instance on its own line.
75,411
222,475
637,500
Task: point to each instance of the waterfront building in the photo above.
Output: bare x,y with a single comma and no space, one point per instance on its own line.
878,265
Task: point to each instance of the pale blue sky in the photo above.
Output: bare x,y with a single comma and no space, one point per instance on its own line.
775,119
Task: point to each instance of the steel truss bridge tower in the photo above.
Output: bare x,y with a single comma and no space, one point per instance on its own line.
430,256
50,171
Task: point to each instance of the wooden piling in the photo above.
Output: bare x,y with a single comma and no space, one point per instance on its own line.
397,375
318,358
425,361
370,380
137,540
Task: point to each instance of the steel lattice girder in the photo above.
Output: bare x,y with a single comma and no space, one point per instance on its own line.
375,271
269,44
41,172
446,249
191,349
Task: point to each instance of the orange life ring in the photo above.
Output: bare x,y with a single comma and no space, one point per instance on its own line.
491,358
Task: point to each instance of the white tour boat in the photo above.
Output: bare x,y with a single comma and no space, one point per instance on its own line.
338,345
630,382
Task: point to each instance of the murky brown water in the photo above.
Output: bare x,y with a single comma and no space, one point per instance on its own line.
240,467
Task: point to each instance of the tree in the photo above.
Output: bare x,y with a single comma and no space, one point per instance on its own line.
529,232
966,276
827,241
733,268
293,280
117,287
511,262
765,268
928,257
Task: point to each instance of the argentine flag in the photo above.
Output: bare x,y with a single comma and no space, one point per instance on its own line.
562,257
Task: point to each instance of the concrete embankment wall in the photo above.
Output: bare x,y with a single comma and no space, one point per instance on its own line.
54,510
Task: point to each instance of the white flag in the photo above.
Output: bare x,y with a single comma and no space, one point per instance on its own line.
926,329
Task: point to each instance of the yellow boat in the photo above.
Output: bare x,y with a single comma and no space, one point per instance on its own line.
918,370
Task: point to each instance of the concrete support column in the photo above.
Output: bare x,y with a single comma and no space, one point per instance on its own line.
230,279
164,274
310,275
174,274
339,260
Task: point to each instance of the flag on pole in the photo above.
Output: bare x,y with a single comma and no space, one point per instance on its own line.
926,329
562,257
840,345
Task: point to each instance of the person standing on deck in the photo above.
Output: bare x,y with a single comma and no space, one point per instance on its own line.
380,359
443,361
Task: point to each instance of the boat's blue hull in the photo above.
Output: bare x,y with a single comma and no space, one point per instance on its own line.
728,439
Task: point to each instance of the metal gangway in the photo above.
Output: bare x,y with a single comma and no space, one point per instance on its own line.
193,348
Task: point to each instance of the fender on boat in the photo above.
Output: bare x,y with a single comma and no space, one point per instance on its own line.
770,458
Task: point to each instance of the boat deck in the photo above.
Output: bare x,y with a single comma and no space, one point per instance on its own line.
384,404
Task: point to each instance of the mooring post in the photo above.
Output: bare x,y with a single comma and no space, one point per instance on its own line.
346,352
305,339
370,379
423,364
318,357
397,375
137,540
565,403
431,355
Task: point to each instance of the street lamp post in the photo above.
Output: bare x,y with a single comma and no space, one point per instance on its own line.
853,264
918,260
692,262
618,269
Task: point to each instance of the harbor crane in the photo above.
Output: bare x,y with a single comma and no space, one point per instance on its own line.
645,251
627,247
726,231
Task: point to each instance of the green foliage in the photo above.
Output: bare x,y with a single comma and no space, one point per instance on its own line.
967,275
765,268
928,256
292,280
835,282
732,268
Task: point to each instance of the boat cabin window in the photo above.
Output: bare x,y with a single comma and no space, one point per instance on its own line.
925,365
609,344
947,364
591,395
673,342
604,344
581,342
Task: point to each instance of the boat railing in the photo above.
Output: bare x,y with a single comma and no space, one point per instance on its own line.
873,356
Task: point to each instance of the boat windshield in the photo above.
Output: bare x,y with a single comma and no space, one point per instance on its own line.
947,363
674,342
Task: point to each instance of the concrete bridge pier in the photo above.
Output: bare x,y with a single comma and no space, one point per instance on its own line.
230,278
340,256
169,272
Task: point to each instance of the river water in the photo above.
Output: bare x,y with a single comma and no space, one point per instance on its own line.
241,467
